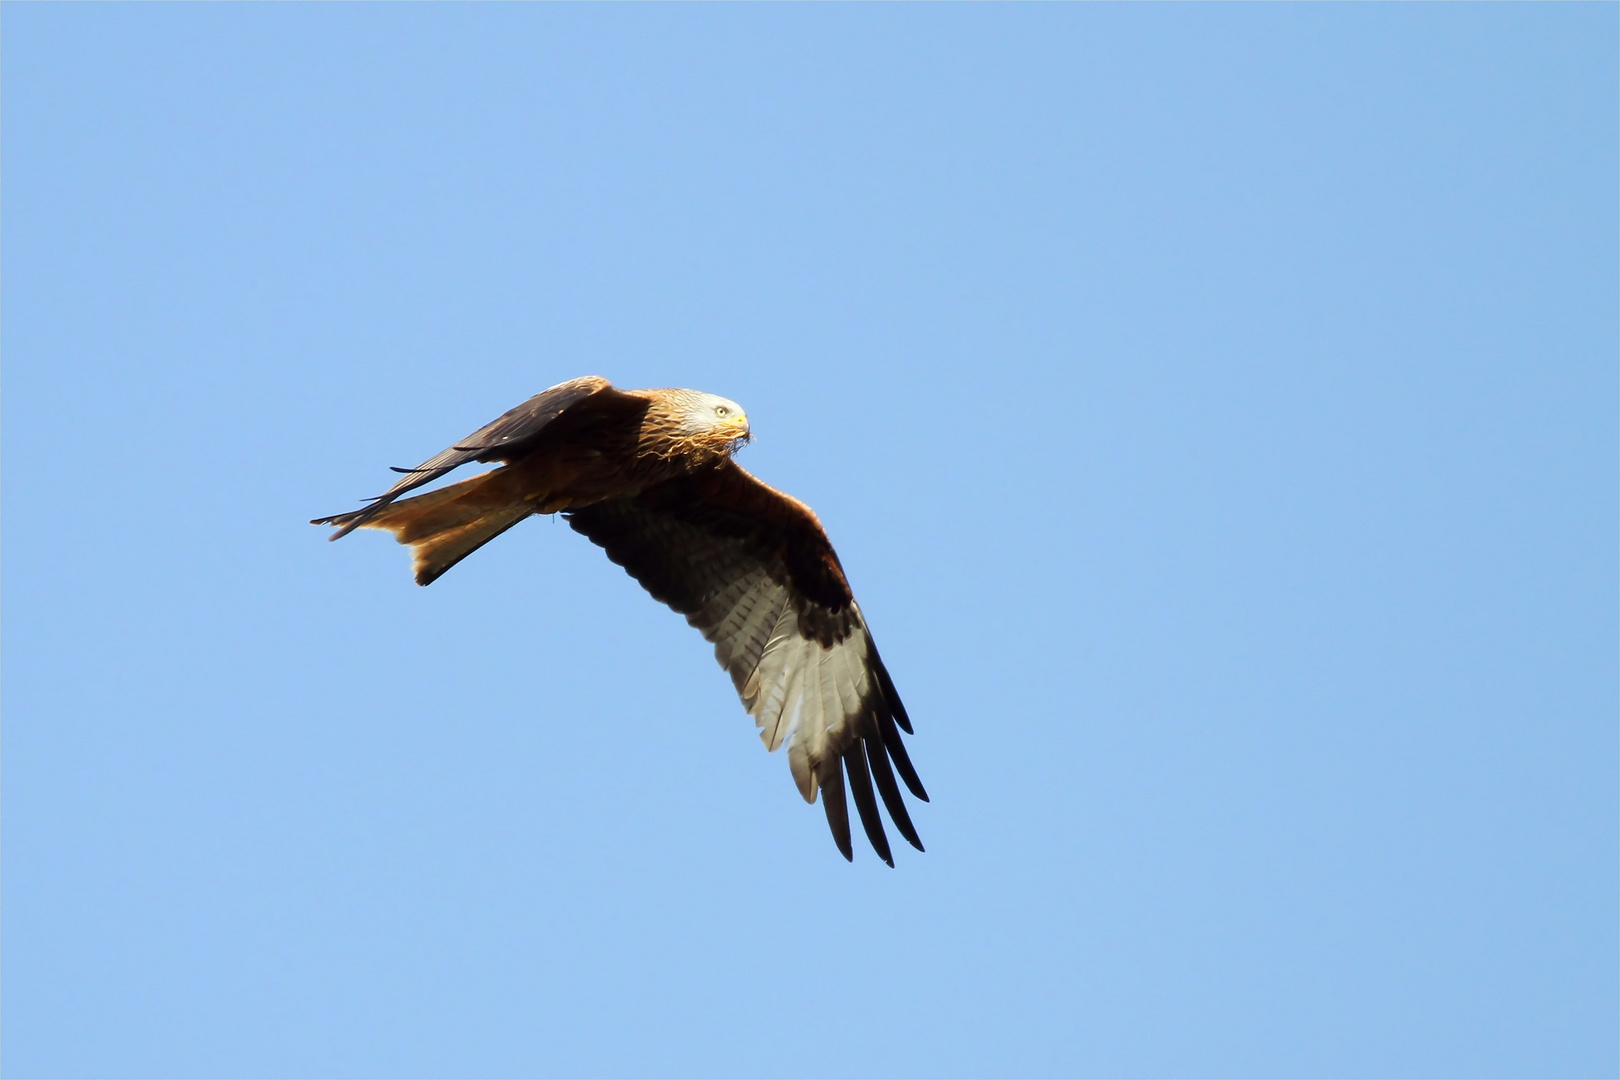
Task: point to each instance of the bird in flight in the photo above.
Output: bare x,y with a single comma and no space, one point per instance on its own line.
648,476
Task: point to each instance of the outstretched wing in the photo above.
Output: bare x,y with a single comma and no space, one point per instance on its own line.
753,570
501,439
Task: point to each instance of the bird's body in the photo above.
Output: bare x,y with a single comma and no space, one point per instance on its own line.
648,476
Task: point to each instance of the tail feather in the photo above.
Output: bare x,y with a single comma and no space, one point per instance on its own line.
444,526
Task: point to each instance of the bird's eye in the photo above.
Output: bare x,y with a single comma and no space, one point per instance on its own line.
721,410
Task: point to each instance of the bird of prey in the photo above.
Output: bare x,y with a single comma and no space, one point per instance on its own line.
648,476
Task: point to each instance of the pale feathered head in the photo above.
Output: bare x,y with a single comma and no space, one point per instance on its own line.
709,419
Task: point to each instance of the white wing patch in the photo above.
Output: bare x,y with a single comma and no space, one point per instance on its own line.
800,694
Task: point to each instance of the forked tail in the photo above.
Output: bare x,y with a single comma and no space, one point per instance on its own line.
444,526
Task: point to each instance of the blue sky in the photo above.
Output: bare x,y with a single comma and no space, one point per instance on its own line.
1214,408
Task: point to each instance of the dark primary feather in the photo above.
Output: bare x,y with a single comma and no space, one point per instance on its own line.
500,439
832,801
753,571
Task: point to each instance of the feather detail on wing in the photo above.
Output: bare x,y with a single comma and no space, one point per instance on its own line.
507,435
752,570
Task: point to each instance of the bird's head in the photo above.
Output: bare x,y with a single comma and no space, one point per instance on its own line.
717,421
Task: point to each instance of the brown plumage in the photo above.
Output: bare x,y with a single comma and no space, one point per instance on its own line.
648,476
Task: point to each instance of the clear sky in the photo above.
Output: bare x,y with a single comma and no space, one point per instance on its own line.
1214,408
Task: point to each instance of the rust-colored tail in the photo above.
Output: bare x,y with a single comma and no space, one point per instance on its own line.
445,526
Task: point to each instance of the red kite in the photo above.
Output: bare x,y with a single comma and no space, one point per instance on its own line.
648,476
